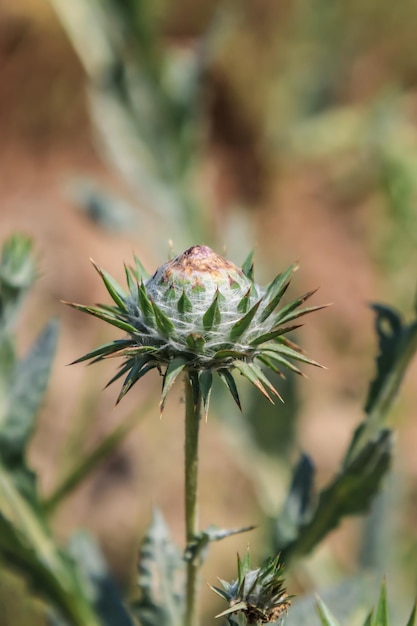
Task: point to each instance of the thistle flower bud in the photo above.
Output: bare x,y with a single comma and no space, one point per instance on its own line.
258,594
201,314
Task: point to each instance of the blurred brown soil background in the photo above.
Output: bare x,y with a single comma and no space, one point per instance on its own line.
45,141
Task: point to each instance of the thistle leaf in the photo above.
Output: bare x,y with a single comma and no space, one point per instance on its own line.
140,271
229,354
381,617
270,365
275,291
397,346
229,381
184,304
369,619
326,617
161,577
243,305
280,349
273,334
104,350
276,358
205,380
115,290
248,373
199,546
123,369
350,493
142,367
300,312
247,267
145,305
212,317
241,325
102,315
164,324
264,380
132,284
24,395
173,370
243,566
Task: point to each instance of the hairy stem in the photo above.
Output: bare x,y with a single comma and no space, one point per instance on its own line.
192,424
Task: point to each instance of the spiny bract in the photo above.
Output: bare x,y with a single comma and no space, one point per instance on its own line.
257,594
200,313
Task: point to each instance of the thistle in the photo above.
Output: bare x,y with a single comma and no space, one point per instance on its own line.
257,594
201,314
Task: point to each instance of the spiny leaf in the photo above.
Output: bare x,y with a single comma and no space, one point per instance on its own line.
273,334
247,267
161,574
246,371
104,350
241,325
205,380
198,547
174,368
132,283
350,493
381,617
229,381
276,358
300,312
95,576
122,371
130,351
369,619
96,312
145,304
275,292
115,290
229,354
212,316
243,565
184,304
326,617
164,324
140,271
291,353
270,365
25,393
243,305
220,592
142,367
397,346
238,606
264,380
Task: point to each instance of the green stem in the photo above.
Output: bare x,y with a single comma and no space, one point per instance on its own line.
192,424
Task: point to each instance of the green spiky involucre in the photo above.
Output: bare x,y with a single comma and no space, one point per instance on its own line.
201,314
257,594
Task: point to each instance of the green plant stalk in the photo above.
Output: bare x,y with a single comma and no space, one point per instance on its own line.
192,426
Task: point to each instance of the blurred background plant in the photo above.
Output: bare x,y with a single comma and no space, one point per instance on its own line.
230,123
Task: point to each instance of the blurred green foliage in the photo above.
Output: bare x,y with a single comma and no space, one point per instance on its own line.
281,85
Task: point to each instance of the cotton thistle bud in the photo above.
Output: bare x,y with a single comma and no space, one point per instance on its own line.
200,314
258,595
